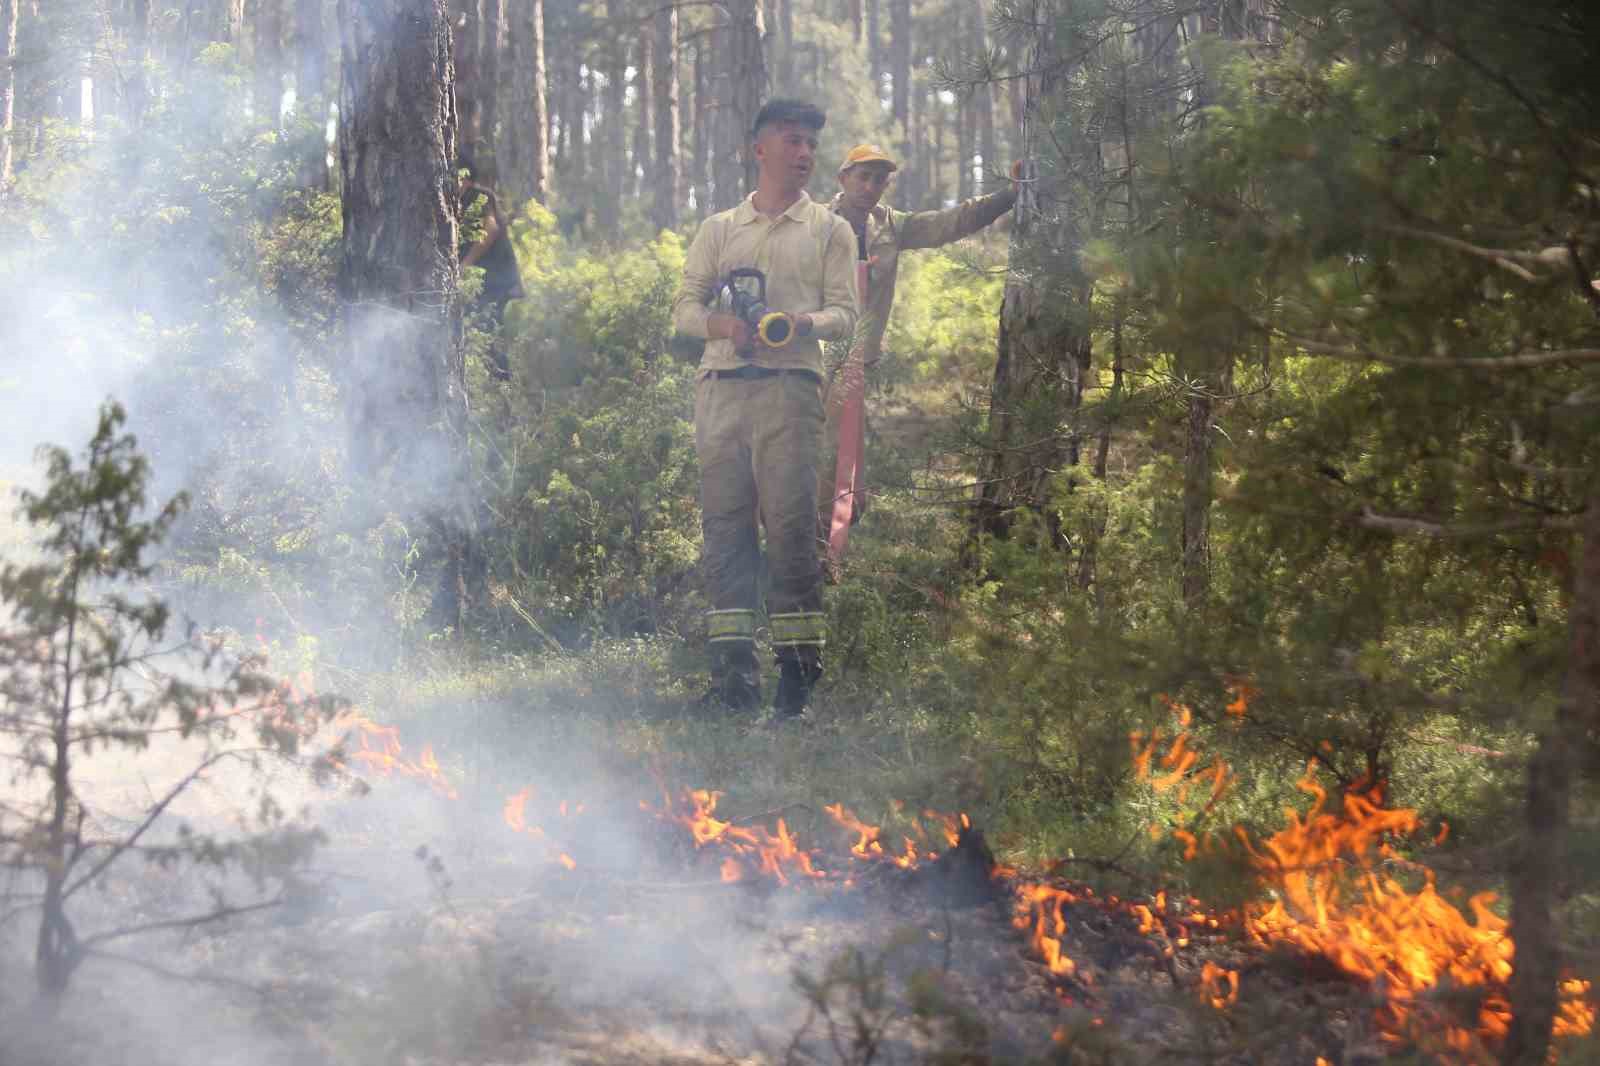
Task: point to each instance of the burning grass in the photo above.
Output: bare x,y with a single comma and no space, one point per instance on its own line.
1335,886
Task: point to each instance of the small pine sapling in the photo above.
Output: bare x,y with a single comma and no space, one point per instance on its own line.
87,666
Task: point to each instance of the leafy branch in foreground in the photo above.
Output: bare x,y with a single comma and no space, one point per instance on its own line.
87,667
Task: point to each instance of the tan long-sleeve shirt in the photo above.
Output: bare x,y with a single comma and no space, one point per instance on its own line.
808,256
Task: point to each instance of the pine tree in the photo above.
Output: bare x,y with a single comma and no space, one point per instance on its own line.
86,667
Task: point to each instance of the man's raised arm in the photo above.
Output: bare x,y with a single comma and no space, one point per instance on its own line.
931,229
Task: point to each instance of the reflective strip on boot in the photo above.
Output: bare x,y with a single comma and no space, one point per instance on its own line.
736,625
799,629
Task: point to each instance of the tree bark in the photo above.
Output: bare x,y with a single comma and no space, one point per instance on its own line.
1196,539
269,60
310,86
467,25
900,70
10,10
579,105
1042,364
857,23
699,174
741,90
640,168
875,48
1541,870
613,156
983,95
311,66
491,43
1096,530
786,45
402,379
668,174
137,79
966,144
531,117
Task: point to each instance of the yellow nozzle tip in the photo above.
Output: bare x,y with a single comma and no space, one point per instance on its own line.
775,330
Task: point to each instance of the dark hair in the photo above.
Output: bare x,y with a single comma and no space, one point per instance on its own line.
800,112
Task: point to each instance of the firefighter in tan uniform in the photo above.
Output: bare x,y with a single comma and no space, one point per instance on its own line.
864,177
758,408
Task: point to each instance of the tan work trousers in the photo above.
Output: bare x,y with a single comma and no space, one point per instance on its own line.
758,434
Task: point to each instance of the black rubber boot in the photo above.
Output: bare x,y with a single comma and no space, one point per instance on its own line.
798,672
735,680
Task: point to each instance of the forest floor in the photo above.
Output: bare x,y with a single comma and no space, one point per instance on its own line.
435,929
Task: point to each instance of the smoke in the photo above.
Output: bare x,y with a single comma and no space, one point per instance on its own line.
177,269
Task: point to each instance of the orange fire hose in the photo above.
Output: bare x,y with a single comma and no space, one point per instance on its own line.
847,487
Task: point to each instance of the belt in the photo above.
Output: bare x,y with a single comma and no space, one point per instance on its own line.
750,370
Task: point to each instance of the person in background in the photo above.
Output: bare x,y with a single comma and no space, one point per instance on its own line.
864,177
485,243
758,410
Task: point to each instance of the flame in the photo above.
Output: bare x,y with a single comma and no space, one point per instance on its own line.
867,846
1038,914
773,853
381,752
1330,895
1333,901
515,810
1218,986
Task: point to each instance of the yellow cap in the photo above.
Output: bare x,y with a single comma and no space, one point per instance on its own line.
866,153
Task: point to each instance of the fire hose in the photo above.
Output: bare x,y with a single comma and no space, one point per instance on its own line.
848,491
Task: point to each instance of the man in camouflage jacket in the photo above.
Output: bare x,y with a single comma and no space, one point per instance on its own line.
864,177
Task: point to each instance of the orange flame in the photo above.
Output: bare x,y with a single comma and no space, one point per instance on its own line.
773,853
1219,987
381,752
867,846
1038,913
1333,901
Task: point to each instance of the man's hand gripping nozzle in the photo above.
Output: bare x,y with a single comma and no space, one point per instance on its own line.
747,299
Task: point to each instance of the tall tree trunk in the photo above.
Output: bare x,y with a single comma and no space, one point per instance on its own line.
491,45
1042,364
579,116
786,46
1541,865
1197,492
310,86
402,377
668,175
311,66
1096,530
269,60
875,50
857,23
739,95
983,95
467,24
700,158
966,148
136,79
530,119
613,129
900,71
230,26
640,168
10,10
